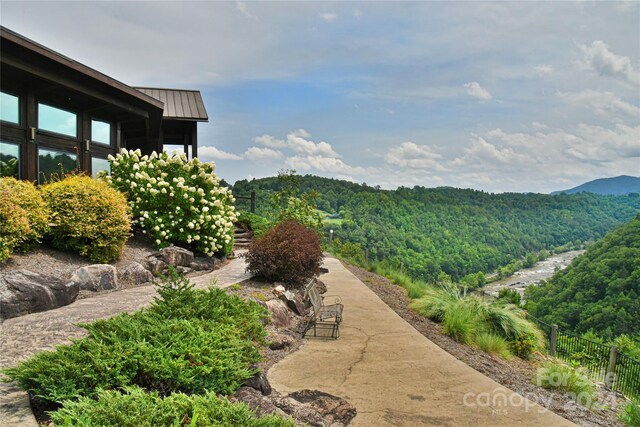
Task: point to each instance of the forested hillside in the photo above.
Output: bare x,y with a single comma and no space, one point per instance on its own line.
434,230
622,184
599,291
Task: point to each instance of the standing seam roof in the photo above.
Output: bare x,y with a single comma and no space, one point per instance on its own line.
180,104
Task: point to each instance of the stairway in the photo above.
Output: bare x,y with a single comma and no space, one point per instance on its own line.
242,237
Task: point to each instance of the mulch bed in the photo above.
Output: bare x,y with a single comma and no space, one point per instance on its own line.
516,374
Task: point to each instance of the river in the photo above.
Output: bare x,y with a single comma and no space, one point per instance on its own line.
542,270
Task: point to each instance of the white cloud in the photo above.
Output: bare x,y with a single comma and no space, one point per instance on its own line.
329,16
298,142
322,164
270,141
242,8
208,152
543,69
476,91
602,103
599,58
414,156
262,153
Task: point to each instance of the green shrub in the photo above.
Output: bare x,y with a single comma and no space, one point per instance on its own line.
175,200
289,253
89,217
24,217
524,346
136,408
201,341
256,223
630,415
573,381
493,344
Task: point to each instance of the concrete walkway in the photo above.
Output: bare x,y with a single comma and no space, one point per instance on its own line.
21,337
396,376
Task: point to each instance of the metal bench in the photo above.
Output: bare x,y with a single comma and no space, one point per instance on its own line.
323,318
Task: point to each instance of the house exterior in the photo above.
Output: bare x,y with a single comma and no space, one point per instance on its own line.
57,115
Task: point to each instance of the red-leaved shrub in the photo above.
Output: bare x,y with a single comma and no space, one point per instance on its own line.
289,253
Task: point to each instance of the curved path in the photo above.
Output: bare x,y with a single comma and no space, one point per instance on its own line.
23,336
396,376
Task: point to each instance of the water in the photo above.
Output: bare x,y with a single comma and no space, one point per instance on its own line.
542,270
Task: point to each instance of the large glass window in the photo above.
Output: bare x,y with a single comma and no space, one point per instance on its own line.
54,164
100,132
56,120
9,160
9,108
98,164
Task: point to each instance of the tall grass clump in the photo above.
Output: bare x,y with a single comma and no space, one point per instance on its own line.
136,408
573,381
468,319
493,344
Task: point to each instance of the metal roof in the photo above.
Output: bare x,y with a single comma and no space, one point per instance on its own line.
179,104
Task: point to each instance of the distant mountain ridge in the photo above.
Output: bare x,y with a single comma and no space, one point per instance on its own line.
618,185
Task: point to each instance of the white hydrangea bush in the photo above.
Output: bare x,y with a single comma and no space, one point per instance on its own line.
175,200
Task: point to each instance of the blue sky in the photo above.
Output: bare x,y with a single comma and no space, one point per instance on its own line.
499,96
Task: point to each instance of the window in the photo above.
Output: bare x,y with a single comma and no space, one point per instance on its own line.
98,164
53,164
100,132
9,160
9,108
57,120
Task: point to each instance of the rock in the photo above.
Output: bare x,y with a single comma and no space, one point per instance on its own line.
134,274
294,302
279,291
259,382
96,277
303,414
334,409
257,402
279,313
323,270
321,287
23,292
183,270
176,256
280,341
200,264
155,266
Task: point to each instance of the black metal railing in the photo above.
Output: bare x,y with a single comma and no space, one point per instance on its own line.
604,363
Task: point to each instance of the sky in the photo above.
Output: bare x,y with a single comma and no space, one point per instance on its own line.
496,96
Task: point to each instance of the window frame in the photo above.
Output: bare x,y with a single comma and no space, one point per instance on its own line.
54,133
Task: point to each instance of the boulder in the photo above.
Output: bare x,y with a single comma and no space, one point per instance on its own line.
96,277
303,414
320,286
23,292
176,256
134,274
334,409
258,403
183,270
280,341
279,313
259,382
208,263
155,266
294,302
